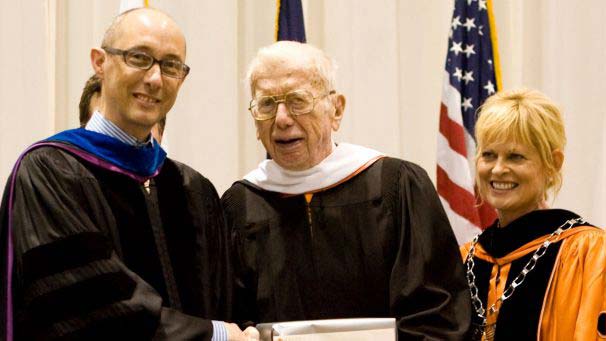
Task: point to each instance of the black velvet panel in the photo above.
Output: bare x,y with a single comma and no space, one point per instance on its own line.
134,326
127,202
58,256
500,241
180,238
80,298
519,316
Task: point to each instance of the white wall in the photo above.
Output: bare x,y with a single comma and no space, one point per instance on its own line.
558,47
26,82
391,56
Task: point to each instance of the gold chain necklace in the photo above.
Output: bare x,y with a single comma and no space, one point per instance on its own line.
487,331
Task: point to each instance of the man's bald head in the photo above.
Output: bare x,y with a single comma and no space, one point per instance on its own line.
116,27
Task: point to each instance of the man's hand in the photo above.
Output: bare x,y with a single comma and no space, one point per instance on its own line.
252,333
235,334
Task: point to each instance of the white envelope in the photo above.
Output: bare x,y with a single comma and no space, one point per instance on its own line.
357,329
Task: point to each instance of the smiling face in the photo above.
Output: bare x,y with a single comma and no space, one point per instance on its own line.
520,136
297,142
511,178
135,99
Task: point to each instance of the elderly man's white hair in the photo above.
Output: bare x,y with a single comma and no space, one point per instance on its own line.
300,56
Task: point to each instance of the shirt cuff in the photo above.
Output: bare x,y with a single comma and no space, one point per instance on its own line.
219,331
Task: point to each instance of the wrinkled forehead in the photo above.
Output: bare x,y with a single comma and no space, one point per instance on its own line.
281,76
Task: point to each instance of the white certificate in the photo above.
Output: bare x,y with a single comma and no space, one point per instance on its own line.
357,329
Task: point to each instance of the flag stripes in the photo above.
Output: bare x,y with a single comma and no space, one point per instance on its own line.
470,76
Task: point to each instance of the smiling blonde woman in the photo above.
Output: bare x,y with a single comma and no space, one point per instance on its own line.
535,273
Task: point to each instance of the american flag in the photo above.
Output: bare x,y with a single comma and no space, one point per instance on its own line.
471,75
289,21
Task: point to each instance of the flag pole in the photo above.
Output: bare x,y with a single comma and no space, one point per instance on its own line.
495,46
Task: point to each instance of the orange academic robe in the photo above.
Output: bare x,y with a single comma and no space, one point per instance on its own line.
572,278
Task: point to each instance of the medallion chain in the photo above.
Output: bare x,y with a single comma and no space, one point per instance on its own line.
518,280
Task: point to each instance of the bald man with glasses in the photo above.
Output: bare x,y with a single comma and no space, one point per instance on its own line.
103,236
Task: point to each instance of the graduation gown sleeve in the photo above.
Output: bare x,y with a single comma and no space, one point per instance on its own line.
429,294
575,303
69,280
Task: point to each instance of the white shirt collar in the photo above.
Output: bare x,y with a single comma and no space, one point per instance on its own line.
99,124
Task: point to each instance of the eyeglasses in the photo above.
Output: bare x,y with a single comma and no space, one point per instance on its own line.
141,60
299,102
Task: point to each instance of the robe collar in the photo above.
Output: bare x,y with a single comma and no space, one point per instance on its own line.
500,241
344,162
143,162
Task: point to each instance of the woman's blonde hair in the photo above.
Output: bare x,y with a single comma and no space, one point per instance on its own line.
527,117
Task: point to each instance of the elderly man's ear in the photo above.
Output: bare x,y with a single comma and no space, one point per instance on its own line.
337,116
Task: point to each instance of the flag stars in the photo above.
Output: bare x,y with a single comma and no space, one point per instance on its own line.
469,50
468,77
456,22
458,74
467,103
480,32
456,48
469,24
482,5
469,2
489,88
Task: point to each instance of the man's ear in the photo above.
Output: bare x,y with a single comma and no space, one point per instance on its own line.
97,58
257,130
337,116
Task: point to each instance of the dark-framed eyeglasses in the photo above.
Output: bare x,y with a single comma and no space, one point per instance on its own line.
299,102
141,60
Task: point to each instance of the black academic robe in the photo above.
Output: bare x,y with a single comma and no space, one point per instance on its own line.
377,245
98,256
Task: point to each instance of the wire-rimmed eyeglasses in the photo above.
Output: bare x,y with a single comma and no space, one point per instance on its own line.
141,60
299,102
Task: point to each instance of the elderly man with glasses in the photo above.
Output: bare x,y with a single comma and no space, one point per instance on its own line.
104,238
335,230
